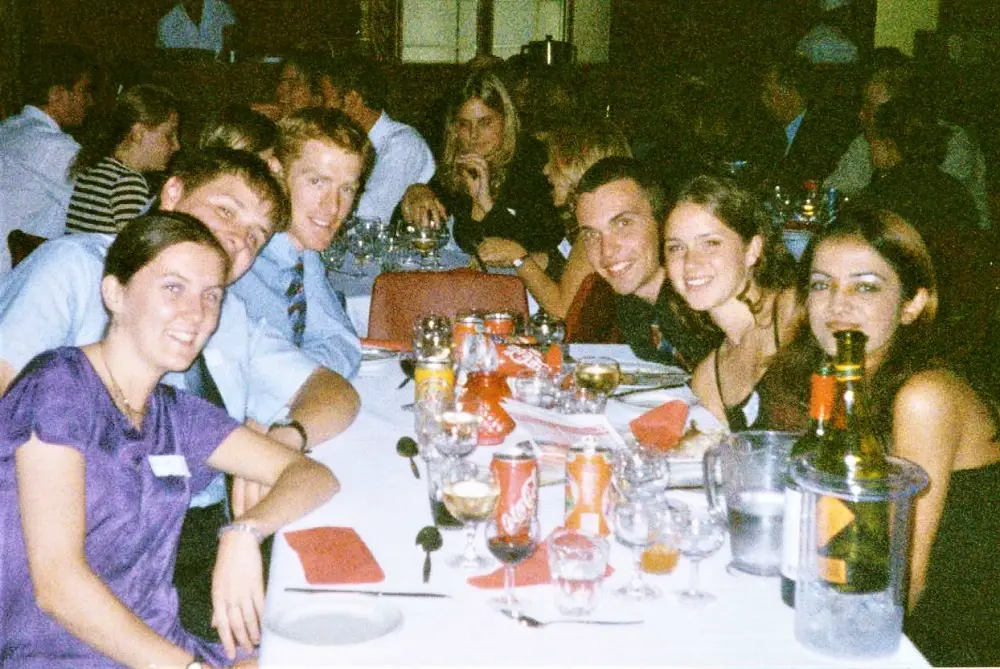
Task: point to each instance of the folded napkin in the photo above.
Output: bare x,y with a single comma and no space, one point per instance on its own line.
388,344
554,357
661,427
533,571
331,555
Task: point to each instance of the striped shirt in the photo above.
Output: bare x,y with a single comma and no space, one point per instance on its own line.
105,197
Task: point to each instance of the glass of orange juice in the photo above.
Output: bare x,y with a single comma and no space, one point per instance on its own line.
662,556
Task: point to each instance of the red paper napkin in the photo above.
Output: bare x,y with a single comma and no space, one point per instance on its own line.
554,357
661,427
388,344
334,555
533,571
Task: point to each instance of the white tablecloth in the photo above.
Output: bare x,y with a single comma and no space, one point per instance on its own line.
747,627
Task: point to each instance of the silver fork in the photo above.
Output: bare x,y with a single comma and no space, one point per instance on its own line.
528,621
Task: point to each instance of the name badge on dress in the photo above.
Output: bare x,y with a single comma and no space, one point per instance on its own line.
169,465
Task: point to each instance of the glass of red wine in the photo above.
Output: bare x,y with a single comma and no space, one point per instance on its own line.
511,547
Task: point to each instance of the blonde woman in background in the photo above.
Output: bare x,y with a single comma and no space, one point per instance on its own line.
572,149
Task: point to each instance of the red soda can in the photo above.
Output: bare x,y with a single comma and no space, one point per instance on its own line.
499,324
516,470
588,487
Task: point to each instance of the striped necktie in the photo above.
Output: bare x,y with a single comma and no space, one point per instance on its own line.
297,303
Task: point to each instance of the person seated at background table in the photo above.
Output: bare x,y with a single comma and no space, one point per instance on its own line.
907,144
489,178
138,136
324,157
53,299
91,531
726,261
299,85
811,136
962,158
35,149
572,149
358,86
620,208
195,24
241,128
871,272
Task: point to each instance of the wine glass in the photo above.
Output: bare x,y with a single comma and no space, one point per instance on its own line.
361,236
637,524
702,536
601,375
470,495
511,548
639,472
459,424
547,329
432,338
427,239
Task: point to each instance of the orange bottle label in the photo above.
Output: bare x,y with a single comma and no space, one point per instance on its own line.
832,516
588,491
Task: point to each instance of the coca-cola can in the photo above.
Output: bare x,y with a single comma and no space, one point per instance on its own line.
465,324
516,469
499,324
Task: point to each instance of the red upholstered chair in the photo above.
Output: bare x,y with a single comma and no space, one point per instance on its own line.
399,298
20,244
592,317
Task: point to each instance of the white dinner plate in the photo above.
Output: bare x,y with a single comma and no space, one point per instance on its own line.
339,623
376,353
637,375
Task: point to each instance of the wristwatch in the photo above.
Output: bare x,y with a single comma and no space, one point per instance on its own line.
298,427
517,262
196,663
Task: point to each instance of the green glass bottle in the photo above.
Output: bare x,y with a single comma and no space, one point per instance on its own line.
852,537
823,387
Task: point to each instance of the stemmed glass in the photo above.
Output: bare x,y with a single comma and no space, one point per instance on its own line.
639,472
637,524
459,422
601,375
702,536
511,548
470,495
427,239
547,329
432,338
362,237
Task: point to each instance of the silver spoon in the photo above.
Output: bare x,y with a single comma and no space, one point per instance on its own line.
528,621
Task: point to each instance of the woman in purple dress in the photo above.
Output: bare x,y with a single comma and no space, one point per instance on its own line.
98,462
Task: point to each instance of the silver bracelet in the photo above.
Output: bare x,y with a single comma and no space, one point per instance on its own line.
241,527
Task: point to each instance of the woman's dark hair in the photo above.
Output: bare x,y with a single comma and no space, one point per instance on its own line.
912,348
909,122
617,168
142,239
742,211
145,104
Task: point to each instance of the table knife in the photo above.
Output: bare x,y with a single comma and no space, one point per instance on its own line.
371,593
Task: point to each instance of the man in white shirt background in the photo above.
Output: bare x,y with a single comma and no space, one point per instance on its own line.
358,86
35,149
195,24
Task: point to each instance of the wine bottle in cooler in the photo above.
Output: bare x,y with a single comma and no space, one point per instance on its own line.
852,536
821,400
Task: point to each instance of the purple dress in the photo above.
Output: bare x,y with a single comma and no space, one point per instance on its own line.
133,517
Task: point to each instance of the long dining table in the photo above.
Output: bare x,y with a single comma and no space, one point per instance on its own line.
748,625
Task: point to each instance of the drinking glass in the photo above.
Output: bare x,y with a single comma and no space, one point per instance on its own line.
361,236
432,338
459,422
640,472
427,239
702,536
547,329
431,396
470,495
511,549
333,256
577,561
477,353
637,525
662,556
601,375
534,388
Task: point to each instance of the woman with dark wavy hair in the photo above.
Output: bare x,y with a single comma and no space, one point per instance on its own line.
726,260
872,272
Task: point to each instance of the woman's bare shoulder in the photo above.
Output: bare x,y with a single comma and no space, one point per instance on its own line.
933,392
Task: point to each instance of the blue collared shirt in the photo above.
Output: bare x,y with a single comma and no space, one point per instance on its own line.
329,338
35,188
53,299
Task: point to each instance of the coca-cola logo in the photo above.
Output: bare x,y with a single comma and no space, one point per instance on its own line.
522,510
525,357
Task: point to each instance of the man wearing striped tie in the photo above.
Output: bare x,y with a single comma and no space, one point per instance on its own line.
324,157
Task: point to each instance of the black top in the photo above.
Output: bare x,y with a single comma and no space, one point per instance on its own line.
957,620
654,332
738,415
522,210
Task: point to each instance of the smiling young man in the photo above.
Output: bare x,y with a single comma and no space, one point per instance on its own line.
620,209
324,157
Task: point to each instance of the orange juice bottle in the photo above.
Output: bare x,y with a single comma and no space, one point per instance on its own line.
588,487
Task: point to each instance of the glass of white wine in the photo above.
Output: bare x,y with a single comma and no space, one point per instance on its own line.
470,495
459,423
427,239
601,375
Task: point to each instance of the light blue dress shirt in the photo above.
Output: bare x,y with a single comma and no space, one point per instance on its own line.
329,339
53,299
35,188
176,30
